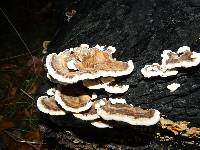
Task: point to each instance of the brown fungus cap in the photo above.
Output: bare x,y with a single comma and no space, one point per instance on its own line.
90,114
80,63
127,113
170,61
48,105
182,58
73,99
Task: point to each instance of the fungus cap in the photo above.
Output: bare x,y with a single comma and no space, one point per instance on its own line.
90,114
183,49
73,99
88,63
183,58
117,89
128,114
48,105
86,116
172,60
157,70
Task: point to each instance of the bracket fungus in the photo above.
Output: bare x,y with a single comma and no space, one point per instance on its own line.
172,60
81,63
48,105
157,70
96,69
128,114
72,99
90,114
180,59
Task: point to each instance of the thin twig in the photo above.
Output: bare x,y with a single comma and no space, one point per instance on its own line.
20,140
18,34
27,94
21,130
13,57
9,21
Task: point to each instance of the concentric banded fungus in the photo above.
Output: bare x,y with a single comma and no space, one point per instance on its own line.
183,58
156,70
96,68
48,105
90,114
170,61
128,114
73,99
80,63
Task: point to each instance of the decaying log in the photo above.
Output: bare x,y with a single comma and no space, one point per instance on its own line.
140,31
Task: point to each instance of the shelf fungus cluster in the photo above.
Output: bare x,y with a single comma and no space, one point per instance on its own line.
170,61
78,72
81,63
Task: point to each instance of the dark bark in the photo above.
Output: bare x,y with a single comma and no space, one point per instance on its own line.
140,30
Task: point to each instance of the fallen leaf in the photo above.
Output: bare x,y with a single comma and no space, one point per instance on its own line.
7,66
4,124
